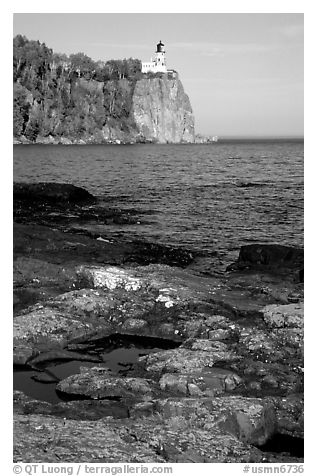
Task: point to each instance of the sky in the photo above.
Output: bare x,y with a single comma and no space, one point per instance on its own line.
243,72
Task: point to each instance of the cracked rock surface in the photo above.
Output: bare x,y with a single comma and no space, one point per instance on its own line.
221,372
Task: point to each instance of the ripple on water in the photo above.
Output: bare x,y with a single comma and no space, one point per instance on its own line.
204,197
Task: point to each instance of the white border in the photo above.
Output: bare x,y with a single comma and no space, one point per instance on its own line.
163,6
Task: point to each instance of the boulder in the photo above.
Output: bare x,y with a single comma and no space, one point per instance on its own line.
146,253
210,382
51,192
288,315
250,420
46,323
183,360
289,414
270,255
98,383
110,277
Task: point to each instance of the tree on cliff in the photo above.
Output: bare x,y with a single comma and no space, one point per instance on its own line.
21,108
83,65
119,69
69,96
30,56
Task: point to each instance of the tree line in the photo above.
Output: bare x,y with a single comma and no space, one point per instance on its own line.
43,62
70,96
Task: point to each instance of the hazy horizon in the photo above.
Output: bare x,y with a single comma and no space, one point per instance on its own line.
242,72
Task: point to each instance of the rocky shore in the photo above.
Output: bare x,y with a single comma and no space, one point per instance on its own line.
218,375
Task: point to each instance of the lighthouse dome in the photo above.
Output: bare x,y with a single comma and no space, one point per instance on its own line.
160,47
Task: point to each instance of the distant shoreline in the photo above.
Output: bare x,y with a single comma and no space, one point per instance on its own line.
227,140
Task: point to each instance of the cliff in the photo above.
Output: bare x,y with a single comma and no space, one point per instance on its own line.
146,110
75,100
162,111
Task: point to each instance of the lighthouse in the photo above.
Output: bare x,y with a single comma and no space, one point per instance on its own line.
158,62
159,58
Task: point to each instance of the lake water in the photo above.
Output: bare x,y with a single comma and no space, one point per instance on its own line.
209,198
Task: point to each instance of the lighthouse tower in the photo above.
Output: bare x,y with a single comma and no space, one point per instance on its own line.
158,63
159,58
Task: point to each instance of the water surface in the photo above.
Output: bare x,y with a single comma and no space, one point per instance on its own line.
207,197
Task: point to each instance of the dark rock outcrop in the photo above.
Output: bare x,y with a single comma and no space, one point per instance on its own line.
51,192
270,256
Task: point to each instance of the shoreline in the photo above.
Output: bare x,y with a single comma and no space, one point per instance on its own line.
234,345
221,141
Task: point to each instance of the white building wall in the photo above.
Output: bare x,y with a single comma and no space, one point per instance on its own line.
146,67
158,65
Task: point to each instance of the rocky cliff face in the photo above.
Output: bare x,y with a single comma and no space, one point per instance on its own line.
114,111
162,111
